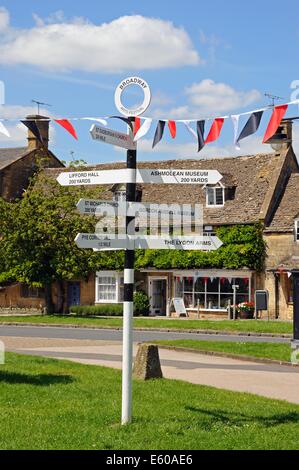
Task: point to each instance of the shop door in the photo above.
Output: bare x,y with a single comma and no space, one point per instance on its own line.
158,296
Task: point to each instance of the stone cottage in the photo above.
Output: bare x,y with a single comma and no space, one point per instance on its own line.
254,202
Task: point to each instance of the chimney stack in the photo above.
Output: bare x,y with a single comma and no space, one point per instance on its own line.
42,123
283,137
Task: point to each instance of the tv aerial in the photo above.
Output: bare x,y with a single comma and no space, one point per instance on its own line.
40,103
273,98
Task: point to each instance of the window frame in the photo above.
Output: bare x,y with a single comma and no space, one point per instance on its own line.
119,282
206,292
214,189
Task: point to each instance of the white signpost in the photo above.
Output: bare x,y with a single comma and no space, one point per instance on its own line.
131,242
108,136
153,176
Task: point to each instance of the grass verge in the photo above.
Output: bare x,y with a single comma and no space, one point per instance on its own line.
50,404
276,351
251,326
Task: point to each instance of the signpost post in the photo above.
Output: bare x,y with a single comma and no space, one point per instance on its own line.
130,241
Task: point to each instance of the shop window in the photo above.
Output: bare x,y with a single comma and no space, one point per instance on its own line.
109,287
212,292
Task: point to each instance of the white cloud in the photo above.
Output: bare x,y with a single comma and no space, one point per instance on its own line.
127,43
211,97
208,99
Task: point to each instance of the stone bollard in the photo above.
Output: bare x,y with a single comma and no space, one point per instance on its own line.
147,363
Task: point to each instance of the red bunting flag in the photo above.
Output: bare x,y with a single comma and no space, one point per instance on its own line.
172,128
215,130
136,125
67,126
277,116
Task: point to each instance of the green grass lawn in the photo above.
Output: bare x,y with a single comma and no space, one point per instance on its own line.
277,351
253,326
49,404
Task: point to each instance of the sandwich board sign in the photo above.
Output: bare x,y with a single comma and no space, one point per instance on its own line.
179,305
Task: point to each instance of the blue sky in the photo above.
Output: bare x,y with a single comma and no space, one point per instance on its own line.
200,59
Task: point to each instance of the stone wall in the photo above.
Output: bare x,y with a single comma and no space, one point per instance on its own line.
15,177
281,247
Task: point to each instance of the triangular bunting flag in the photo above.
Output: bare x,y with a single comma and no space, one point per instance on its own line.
136,125
32,126
277,116
158,133
235,120
3,130
215,130
172,128
251,125
143,129
189,128
67,126
200,134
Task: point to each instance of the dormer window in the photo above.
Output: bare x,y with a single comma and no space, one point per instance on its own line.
215,196
297,230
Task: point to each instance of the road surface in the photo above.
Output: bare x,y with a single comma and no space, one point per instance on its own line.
103,347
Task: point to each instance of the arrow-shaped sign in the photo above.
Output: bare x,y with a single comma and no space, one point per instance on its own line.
174,176
112,242
131,209
78,178
104,242
109,136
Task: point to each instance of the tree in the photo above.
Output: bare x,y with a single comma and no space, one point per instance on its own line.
37,237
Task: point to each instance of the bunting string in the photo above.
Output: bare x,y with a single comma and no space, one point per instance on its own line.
141,125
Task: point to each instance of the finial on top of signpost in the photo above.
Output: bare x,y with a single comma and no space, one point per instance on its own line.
146,96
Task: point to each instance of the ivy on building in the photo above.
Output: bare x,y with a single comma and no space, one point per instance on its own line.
243,247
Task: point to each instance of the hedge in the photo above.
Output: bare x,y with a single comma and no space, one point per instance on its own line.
141,307
99,310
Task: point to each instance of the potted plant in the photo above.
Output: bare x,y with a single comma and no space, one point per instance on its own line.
245,310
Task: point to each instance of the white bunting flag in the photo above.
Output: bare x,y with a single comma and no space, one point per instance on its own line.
235,120
189,129
143,129
100,120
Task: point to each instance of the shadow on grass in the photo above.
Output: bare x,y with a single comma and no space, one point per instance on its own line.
239,419
41,380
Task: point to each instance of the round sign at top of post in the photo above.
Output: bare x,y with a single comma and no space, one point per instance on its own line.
146,96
